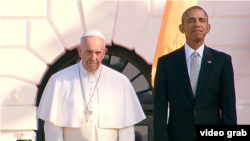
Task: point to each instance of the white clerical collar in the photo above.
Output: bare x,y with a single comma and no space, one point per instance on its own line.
89,73
189,50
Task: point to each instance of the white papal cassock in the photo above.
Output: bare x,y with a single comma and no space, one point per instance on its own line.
114,105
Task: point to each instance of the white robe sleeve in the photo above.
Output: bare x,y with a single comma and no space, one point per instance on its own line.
127,134
52,132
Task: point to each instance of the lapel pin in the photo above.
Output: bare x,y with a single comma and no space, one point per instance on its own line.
209,61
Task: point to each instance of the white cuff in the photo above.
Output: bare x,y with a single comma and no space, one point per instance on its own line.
52,132
57,139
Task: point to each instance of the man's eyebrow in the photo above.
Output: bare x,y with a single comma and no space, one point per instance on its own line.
201,18
93,51
198,18
190,19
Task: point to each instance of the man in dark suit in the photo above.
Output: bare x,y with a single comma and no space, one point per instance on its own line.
195,82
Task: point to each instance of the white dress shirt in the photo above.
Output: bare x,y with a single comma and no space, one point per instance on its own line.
188,53
90,130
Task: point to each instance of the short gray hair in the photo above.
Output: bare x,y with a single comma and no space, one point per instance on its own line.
94,33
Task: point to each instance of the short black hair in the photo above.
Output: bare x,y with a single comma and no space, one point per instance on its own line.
190,8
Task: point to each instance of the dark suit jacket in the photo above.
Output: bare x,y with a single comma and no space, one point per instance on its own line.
214,102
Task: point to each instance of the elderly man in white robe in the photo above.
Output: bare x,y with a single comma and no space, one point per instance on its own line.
89,101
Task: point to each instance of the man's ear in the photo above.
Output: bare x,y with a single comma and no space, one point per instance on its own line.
79,50
105,51
208,28
181,28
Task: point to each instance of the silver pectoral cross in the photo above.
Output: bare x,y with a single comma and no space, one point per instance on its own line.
87,114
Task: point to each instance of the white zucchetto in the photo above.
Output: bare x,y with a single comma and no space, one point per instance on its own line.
93,33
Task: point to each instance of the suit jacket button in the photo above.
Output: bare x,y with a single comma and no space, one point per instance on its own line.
194,135
195,112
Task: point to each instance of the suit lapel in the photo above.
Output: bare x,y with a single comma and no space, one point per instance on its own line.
181,68
206,67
